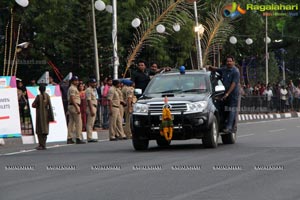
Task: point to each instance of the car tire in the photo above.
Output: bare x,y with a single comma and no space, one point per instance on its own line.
229,138
210,139
140,144
163,142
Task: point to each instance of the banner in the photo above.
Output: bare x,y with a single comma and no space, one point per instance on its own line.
9,108
58,130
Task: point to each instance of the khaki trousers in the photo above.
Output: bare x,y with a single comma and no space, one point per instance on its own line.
90,122
115,124
122,112
74,121
127,129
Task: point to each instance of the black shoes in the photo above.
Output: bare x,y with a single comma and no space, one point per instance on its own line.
118,138
89,141
70,141
40,148
78,141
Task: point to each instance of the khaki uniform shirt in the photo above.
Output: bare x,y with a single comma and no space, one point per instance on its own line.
73,91
114,96
120,94
124,92
91,95
127,92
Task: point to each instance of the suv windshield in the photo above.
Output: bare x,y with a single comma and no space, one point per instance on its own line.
176,83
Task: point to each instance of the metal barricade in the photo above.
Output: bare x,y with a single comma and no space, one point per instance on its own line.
258,104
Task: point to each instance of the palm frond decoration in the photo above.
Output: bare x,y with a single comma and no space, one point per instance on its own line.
217,31
165,12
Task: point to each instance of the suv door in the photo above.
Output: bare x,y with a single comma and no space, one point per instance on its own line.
217,99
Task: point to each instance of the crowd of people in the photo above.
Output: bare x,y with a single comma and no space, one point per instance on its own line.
278,97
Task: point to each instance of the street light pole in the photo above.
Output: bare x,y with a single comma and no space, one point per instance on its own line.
115,40
199,51
95,44
267,53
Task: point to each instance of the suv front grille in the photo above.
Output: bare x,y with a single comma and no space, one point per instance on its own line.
175,107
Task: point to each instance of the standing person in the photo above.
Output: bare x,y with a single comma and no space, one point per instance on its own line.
98,120
128,93
51,81
269,94
122,102
283,98
22,99
297,98
91,97
74,112
154,67
104,102
231,77
33,82
291,94
115,121
83,104
42,104
141,77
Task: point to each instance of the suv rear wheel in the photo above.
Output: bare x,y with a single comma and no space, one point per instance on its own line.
210,139
140,144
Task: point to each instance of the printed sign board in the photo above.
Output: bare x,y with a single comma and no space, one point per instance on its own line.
9,108
58,129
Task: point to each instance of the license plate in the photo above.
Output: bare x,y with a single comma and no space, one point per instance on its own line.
160,117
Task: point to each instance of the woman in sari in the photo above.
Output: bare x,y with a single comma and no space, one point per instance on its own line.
44,114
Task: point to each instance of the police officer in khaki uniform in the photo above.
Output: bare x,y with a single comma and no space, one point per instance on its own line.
74,112
122,101
127,91
91,111
115,120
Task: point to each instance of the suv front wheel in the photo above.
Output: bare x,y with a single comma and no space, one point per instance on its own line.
140,144
210,139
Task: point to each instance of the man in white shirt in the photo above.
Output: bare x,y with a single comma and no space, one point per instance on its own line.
269,94
283,98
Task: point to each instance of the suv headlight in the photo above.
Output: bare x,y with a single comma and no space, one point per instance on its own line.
140,108
199,106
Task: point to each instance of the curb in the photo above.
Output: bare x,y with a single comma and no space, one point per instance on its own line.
252,117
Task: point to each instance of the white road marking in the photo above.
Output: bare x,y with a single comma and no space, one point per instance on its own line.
50,147
19,152
239,136
276,130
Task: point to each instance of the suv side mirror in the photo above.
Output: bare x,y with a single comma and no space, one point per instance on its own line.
219,89
138,92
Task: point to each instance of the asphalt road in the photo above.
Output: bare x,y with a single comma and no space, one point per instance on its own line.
264,164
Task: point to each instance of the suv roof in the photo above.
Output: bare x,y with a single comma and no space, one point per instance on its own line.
186,72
